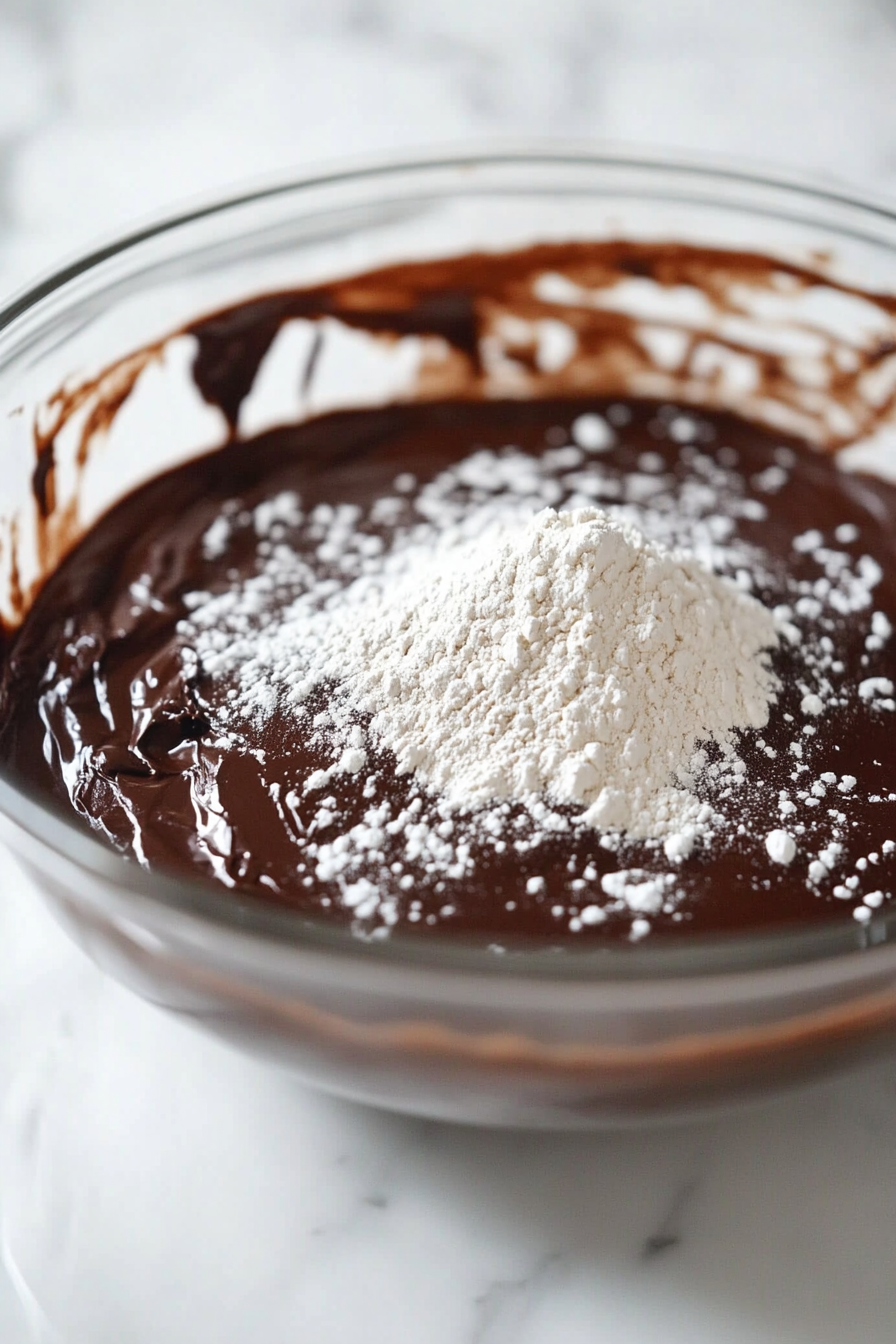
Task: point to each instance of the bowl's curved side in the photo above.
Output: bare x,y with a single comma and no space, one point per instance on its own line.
434,1047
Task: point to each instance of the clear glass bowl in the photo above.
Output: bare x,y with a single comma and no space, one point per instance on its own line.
604,1036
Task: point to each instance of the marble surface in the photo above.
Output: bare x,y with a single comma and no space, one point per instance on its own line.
157,1187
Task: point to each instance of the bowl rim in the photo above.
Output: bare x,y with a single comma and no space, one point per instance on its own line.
45,823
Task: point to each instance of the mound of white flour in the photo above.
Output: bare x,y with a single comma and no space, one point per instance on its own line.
567,657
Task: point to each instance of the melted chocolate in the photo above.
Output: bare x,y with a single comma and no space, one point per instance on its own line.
100,710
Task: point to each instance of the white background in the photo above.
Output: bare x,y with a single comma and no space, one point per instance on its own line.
162,1189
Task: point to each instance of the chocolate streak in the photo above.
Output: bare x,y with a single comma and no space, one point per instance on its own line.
461,302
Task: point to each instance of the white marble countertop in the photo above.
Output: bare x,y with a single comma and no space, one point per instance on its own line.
158,1187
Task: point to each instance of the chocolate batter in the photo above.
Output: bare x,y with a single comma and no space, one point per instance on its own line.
101,710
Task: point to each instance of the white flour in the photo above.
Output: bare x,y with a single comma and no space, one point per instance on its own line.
566,657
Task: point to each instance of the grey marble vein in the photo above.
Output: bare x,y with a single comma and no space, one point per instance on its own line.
669,1230
503,1306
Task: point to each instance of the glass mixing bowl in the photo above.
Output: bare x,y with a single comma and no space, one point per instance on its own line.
602,1036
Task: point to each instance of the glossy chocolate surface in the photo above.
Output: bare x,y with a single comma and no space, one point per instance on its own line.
99,710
